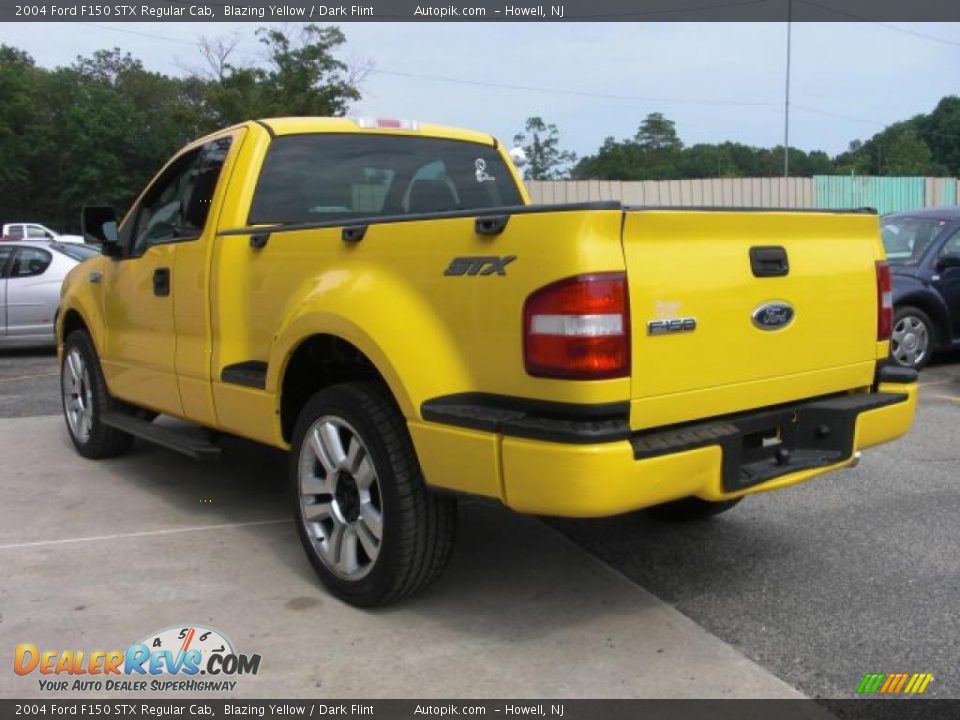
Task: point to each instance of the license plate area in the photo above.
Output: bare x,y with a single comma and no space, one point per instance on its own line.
766,444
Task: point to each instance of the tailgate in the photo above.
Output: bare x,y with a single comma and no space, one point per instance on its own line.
722,324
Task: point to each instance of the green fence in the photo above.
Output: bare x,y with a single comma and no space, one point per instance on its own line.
886,194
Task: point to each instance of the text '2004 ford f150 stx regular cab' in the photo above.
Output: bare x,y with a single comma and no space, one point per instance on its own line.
381,299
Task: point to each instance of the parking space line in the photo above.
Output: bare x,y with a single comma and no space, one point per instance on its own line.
27,377
145,533
937,382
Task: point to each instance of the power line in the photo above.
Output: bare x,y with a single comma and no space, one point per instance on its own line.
553,90
567,91
888,26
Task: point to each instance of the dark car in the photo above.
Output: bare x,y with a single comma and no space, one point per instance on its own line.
923,249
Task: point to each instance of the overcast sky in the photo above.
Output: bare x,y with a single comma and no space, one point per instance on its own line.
848,81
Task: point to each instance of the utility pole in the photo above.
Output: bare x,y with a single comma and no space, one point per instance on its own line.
786,104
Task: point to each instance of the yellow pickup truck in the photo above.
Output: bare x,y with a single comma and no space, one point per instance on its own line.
381,299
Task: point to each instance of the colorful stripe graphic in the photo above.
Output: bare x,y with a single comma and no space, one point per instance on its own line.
894,683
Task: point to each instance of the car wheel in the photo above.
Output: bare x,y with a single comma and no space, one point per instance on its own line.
912,339
371,528
690,508
85,399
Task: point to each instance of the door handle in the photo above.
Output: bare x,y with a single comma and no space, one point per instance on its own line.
161,282
769,261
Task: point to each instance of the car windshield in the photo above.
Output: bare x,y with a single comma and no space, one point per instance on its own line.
77,252
907,239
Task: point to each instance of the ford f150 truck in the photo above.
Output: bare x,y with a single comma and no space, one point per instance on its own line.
380,298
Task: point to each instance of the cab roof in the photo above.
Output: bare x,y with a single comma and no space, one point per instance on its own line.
302,125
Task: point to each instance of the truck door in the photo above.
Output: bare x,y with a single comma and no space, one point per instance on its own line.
141,342
191,283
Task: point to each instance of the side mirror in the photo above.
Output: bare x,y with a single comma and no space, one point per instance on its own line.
519,156
950,260
98,224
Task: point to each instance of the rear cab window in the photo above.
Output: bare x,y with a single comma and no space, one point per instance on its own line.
332,177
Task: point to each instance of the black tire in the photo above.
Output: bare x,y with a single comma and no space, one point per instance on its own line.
916,316
101,441
417,526
690,509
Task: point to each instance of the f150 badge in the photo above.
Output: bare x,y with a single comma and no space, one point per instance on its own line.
673,325
491,265
773,315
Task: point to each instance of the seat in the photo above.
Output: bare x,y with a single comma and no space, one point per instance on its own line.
431,195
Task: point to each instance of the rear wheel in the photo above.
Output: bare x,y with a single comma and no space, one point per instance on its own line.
85,400
912,340
690,508
371,528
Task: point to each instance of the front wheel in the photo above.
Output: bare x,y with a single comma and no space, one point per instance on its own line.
912,340
371,528
85,399
690,508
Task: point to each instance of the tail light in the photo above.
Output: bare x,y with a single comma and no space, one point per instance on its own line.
578,328
884,301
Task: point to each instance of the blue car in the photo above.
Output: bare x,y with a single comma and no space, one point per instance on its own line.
923,249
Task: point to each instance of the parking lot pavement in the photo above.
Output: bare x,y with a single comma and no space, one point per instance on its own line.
855,572
28,383
98,555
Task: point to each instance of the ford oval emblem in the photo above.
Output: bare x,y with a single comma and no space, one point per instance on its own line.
773,315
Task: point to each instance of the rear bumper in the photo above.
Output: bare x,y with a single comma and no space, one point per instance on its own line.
726,458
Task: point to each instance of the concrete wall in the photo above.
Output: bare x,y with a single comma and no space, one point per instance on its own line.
749,192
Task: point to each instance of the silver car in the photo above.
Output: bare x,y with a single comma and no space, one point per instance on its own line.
30,275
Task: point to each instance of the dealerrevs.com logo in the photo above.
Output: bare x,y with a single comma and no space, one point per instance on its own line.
169,660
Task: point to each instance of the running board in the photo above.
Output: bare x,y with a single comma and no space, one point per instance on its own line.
159,435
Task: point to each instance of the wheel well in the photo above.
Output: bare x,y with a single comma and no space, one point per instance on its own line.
933,312
318,362
72,321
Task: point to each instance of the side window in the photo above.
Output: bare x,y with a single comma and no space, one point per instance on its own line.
209,167
6,252
38,233
30,262
160,217
952,245
16,232
177,205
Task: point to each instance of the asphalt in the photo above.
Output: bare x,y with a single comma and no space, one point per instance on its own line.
854,572
807,588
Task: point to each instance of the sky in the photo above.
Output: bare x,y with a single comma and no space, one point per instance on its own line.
717,81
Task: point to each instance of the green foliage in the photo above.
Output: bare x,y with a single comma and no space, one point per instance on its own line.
98,130
923,145
541,143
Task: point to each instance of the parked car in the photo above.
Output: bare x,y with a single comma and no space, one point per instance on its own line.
923,249
35,231
31,273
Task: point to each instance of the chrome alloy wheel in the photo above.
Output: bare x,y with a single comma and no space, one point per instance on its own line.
910,341
340,498
77,395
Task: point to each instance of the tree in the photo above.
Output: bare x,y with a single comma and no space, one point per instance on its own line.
656,133
97,130
541,143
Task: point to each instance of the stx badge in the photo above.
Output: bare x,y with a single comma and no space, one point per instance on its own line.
492,265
